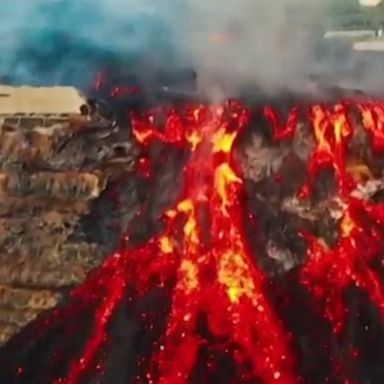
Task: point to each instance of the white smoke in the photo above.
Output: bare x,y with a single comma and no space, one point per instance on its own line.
263,42
268,43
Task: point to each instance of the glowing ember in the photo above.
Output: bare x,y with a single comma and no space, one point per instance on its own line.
212,275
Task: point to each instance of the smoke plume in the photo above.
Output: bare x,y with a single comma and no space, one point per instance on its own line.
268,43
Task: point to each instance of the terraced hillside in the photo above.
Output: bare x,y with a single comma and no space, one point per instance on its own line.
57,218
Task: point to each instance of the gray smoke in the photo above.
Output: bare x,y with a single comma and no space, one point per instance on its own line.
269,43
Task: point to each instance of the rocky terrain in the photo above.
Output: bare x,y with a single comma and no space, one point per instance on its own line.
58,214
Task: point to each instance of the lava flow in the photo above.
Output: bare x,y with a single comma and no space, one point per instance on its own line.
215,276
218,307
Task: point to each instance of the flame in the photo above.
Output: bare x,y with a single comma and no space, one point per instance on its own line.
373,122
332,132
282,131
234,274
194,139
222,141
190,226
347,225
224,177
189,278
166,245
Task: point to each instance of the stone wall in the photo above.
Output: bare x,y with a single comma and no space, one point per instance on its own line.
52,180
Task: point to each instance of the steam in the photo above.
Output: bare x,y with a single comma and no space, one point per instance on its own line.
229,43
258,42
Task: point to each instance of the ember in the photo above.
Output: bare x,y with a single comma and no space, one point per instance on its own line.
220,310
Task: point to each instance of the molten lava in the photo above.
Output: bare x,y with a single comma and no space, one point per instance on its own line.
215,276
218,293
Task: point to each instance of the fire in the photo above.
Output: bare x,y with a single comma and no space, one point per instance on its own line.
373,122
189,278
280,130
234,274
224,176
190,227
332,132
166,245
211,275
222,141
347,225
194,139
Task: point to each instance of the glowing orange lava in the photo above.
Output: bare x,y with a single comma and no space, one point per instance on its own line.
213,276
